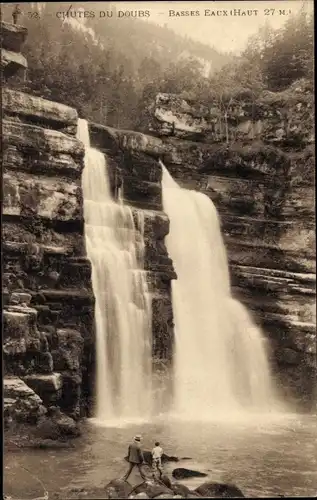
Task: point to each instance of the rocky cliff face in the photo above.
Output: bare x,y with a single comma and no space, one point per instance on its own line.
48,302
46,278
258,168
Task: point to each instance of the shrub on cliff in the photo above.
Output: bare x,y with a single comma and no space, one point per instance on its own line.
273,60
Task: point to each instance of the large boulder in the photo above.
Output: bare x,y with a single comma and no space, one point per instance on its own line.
174,116
153,489
57,425
180,489
118,487
219,490
166,480
181,473
67,350
21,403
47,386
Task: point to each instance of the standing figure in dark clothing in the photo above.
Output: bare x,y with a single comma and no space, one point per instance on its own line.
16,12
135,458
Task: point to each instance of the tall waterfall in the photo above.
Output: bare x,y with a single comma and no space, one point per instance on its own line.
115,247
221,365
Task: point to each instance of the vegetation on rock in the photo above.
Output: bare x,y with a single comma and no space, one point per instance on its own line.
112,75
103,72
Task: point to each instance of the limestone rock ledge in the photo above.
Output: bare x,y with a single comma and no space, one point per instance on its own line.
38,111
48,300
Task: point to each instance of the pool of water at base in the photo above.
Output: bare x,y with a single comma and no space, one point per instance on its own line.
270,458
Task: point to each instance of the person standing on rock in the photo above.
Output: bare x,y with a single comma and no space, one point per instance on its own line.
135,458
16,13
157,453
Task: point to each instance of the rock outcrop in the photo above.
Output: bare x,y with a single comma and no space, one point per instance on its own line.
47,296
20,403
181,473
44,253
153,488
12,38
257,165
212,489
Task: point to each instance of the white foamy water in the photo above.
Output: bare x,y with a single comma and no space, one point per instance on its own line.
221,367
115,247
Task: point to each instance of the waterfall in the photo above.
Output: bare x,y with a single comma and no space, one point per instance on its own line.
221,366
115,248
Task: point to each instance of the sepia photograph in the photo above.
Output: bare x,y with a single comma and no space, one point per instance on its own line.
158,250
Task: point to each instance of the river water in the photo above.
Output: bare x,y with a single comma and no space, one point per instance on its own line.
268,458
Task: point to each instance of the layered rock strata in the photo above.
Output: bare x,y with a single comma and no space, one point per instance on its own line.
257,165
48,301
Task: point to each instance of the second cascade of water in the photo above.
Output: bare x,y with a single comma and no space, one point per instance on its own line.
115,247
221,366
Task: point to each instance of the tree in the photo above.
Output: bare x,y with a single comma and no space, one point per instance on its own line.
289,55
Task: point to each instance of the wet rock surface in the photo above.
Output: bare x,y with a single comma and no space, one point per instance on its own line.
153,489
118,488
219,490
121,488
182,473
